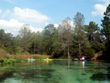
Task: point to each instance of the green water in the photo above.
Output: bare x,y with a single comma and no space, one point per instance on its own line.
56,71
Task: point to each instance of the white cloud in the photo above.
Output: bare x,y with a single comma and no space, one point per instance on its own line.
13,26
29,15
19,16
11,23
70,22
100,8
56,25
36,29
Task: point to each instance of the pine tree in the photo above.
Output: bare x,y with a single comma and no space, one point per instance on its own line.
106,24
80,41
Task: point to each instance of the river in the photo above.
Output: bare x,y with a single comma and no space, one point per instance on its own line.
56,71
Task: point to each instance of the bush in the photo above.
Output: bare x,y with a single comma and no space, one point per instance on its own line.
3,53
89,53
97,46
9,61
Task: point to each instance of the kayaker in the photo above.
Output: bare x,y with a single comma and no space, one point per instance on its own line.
28,58
83,58
76,59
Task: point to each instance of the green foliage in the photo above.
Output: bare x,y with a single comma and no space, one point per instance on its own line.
106,32
93,31
97,46
80,39
8,61
19,50
106,52
25,37
35,43
79,20
7,42
48,34
106,23
80,43
65,34
56,45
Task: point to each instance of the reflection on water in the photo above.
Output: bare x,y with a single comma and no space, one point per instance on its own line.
100,76
5,73
56,71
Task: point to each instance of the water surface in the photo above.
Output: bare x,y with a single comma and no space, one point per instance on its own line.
56,71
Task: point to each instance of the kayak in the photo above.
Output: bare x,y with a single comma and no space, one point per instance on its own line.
31,59
46,59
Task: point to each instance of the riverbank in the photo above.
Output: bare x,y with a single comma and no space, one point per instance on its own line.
9,59
6,58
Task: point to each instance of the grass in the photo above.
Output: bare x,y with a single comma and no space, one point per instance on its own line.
10,59
26,56
4,54
6,58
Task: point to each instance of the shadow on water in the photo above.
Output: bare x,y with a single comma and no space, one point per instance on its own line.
101,76
37,76
35,73
30,72
5,74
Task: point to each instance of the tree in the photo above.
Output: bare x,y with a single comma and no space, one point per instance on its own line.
19,49
94,36
25,35
106,31
56,45
81,45
79,24
93,31
79,20
106,23
80,40
2,35
65,31
47,38
36,46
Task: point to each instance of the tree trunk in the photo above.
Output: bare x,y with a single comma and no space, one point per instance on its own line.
79,40
68,53
79,50
34,48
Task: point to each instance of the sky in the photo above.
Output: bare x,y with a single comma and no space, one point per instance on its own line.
38,13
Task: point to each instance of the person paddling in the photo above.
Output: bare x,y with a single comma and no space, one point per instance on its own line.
83,58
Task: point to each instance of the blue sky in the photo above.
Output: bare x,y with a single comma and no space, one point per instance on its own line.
38,13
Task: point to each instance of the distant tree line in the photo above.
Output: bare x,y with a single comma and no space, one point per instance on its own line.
69,39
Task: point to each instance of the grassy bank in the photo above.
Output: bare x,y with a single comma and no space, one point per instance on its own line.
10,59
6,58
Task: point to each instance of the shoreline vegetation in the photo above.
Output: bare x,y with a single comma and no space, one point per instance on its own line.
6,58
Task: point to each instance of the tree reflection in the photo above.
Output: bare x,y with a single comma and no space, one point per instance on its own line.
101,76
